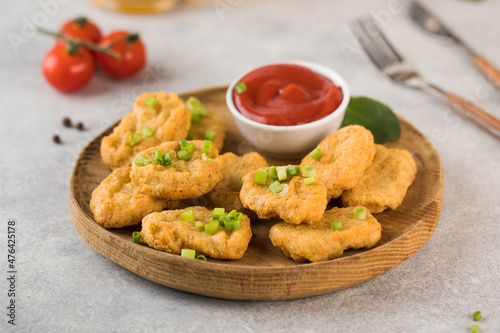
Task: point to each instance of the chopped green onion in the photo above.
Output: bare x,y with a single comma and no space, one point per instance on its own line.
476,315
308,171
142,161
260,177
359,213
167,159
150,102
282,190
281,173
273,173
240,87
309,180
195,119
134,139
210,135
188,253
183,155
190,135
229,225
199,225
207,147
202,112
237,224
182,142
193,103
292,170
239,184
219,211
337,225
201,257
215,217
474,329
234,213
206,158
147,132
158,157
187,215
136,237
274,186
316,154
189,147
212,227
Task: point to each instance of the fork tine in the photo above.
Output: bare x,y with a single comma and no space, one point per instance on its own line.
371,49
370,28
384,42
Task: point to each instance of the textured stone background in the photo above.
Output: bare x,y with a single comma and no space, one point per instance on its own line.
66,286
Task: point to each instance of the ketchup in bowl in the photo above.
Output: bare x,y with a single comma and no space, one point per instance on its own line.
286,95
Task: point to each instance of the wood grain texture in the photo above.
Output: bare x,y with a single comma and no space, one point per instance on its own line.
264,273
488,69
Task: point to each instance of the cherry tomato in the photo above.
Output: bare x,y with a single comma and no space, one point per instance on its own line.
131,49
83,29
68,68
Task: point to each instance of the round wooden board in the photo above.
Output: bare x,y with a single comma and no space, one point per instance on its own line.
264,273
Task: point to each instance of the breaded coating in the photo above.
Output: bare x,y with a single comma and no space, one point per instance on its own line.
182,179
226,194
116,203
212,122
302,203
385,181
320,242
170,120
167,232
346,154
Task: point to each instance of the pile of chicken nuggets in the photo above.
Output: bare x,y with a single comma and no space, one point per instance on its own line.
167,150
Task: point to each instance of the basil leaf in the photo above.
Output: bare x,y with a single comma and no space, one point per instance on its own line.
374,116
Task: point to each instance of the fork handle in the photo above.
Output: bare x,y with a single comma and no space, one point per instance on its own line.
475,113
488,69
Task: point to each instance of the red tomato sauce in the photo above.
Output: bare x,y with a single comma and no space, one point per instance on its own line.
286,95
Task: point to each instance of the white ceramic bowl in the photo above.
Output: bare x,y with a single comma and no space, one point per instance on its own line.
290,142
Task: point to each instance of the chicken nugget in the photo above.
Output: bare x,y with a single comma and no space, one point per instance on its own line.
302,202
212,122
116,203
226,194
166,231
182,179
320,242
346,154
385,181
165,118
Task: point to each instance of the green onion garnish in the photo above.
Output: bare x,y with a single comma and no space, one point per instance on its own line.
309,180
210,135
337,225
212,227
359,213
201,257
182,142
219,211
282,190
237,224
281,173
476,315
188,253
202,112
316,154
234,214
183,155
147,132
229,225
474,329
206,158
193,103
195,119
240,87
190,135
308,171
134,139
260,177
207,147
167,159
274,186
239,184
136,237
158,157
273,173
142,161
199,225
292,170
189,147
187,215
150,102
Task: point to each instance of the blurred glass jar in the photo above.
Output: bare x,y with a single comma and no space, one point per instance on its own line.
139,6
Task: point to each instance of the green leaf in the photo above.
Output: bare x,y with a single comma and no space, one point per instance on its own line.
374,116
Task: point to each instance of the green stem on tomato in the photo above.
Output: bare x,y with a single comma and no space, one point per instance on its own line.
79,42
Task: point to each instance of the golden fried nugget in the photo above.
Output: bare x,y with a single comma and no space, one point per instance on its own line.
116,203
226,194
346,154
169,119
319,242
182,179
302,203
212,122
385,181
167,232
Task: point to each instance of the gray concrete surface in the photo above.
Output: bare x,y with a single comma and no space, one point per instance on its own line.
63,285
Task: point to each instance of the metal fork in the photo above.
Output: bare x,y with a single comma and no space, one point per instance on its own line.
392,64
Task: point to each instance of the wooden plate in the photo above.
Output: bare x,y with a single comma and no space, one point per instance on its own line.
264,273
